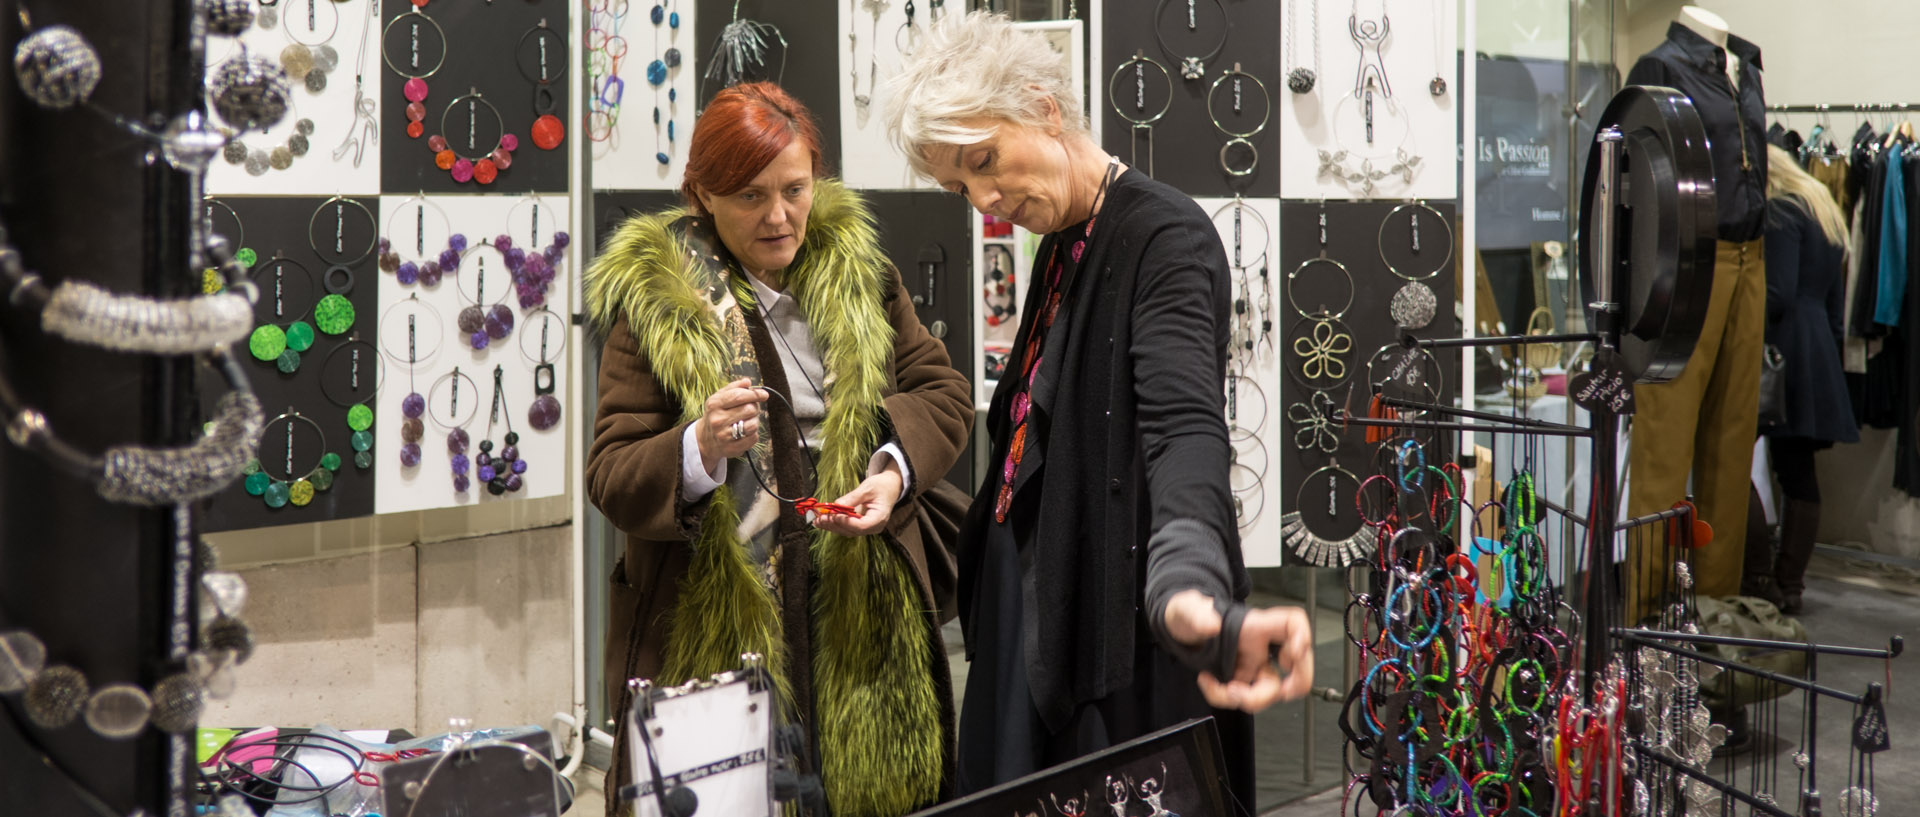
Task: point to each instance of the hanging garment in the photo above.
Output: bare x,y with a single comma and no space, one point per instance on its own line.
1893,242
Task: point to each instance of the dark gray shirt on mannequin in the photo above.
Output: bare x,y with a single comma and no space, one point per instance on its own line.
1735,120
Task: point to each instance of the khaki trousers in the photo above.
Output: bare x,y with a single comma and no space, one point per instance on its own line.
1702,424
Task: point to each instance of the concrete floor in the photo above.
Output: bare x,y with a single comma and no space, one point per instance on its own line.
1845,605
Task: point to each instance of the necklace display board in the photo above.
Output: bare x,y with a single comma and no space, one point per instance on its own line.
97,582
485,52
287,236
1184,146
439,122
1248,231
643,88
1371,126
1340,327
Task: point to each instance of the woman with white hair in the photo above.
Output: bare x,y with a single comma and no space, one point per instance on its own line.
1101,574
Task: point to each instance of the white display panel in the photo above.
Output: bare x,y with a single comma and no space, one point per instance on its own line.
530,223
1257,412
628,158
1419,46
352,30
875,35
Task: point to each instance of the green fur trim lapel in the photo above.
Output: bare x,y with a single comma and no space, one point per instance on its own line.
876,710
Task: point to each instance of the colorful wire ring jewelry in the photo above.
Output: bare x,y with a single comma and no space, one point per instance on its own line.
1237,137
1381,241
1293,288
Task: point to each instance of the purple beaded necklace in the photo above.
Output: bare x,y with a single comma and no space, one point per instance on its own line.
482,323
456,426
502,473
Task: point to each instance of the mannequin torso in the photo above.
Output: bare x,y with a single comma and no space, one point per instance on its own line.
1714,28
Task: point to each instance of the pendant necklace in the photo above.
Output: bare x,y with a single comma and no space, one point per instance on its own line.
1323,349
501,472
657,73
548,64
285,333
1438,87
328,239
864,102
475,164
544,412
606,50
1137,115
311,56
456,423
1243,139
533,272
420,318
364,132
1414,305
1193,67
482,322
365,375
415,69
422,267
1370,36
1300,80
290,486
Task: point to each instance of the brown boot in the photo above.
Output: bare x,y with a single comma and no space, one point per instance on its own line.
1799,524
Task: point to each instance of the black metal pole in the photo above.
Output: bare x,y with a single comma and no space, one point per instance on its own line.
1897,643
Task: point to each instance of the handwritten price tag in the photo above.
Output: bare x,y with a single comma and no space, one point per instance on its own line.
1603,387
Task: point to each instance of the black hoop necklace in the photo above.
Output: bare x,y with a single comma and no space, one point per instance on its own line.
1192,67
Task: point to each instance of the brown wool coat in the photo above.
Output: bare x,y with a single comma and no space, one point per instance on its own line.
633,477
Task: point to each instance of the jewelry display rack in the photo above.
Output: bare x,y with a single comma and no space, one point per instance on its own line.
98,582
1612,666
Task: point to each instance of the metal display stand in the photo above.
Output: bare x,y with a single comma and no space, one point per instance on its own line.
1645,276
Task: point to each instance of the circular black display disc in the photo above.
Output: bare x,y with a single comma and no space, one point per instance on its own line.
1663,231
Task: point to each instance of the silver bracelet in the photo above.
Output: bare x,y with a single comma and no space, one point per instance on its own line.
84,313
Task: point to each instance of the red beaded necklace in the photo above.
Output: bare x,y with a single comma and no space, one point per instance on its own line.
1019,411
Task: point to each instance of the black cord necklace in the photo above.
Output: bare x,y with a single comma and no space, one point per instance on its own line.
1192,67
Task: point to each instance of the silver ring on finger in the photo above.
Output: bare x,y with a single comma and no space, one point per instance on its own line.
739,429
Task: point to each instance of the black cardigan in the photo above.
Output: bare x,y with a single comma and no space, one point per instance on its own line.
1129,411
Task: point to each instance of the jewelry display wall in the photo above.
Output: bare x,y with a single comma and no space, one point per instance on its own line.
623,44
1336,273
1387,58
293,242
1190,146
798,38
1249,231
487,52
339,41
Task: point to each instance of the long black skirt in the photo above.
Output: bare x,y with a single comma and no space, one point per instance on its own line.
1002,736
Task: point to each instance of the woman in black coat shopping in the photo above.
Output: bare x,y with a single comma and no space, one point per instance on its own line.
1806,288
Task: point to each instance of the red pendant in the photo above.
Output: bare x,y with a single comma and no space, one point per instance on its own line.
484,172
548,132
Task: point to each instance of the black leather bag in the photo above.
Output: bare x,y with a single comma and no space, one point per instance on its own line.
1773,388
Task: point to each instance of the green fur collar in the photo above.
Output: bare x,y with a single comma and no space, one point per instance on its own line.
877,713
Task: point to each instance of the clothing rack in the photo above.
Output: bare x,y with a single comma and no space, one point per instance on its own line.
1870,107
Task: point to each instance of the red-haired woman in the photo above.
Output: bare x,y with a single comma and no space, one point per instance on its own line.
759,350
